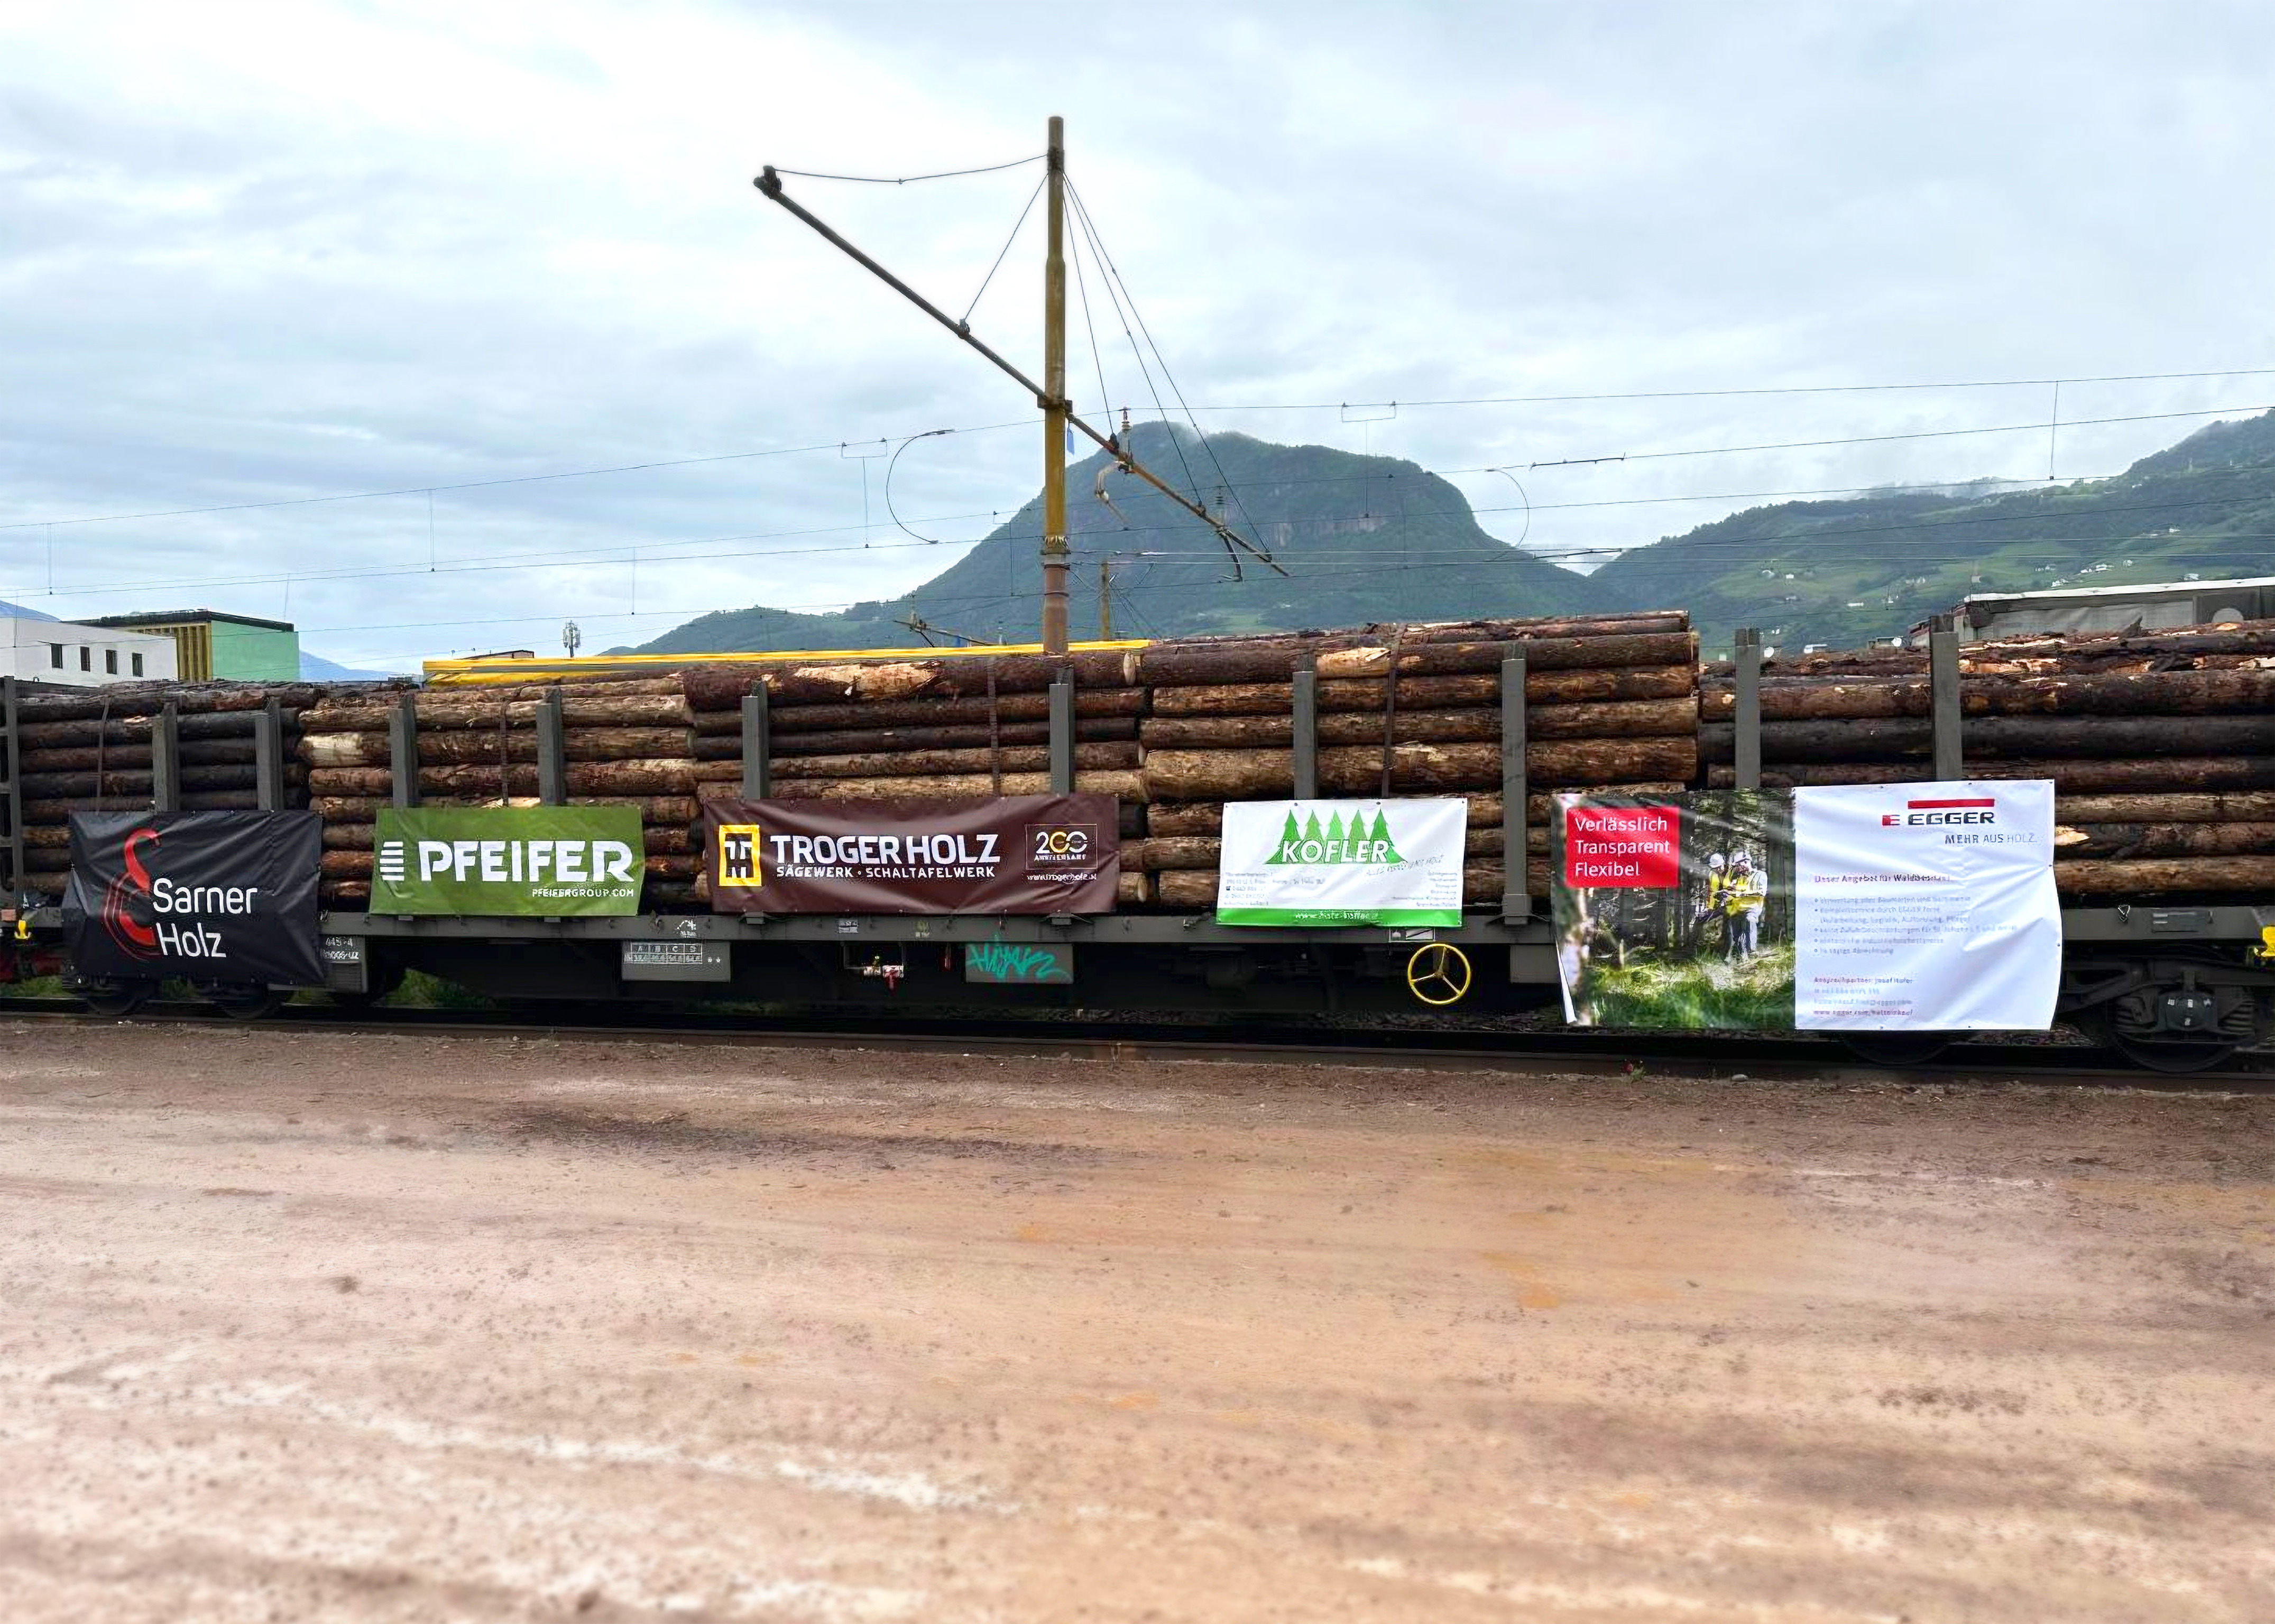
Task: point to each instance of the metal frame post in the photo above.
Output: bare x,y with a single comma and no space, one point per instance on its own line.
165,760
403,750
1304,710
1062,733
757,745
1748,689
552,751
268,756
1943,699
11,791
1515,787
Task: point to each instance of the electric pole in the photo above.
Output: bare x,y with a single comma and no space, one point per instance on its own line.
1054,400
1060,421
1106,598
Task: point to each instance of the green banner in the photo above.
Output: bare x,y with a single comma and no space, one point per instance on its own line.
546,862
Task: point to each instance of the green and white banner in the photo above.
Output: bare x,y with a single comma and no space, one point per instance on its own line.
547,862
1323,863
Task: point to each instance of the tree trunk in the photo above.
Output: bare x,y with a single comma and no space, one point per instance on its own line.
1996,737
2245,808
934,763
476,746
1422,693
2164,774
1128,786
799,719
146,699
364,809
606,778
1173,665
973,736
1641,718
1254,774
2162,840
135,729
2192,694
811,682
459,708
2094,877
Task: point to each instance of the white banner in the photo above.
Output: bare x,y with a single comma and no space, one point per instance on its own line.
1322,863
1925,907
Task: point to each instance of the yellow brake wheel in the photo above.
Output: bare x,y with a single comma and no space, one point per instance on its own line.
1439,973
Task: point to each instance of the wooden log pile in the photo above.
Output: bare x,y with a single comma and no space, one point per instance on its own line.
626,742
2160,745
1177,729
90,749
1610,702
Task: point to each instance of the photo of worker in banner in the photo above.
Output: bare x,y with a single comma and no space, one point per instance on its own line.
1675,910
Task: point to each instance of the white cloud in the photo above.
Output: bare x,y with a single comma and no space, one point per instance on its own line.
251,253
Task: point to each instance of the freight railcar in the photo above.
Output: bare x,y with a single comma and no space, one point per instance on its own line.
2175,974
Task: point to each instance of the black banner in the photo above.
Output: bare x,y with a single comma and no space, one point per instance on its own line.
208,896
1018,854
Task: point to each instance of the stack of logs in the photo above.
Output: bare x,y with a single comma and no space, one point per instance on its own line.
924,729
1610,703
90,751
2160,745
628,742
1175,729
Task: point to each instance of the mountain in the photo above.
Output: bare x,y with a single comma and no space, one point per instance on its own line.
1375,539
1847,571
316,669
17,611
1362,538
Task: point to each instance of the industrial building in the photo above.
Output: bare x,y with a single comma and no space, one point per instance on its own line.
65,654
214,646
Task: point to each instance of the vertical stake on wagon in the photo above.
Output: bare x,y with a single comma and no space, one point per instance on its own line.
268,756
1515,892
1062,732
1749,695
1305,708
11,763
165,760
403,750
758,744
1942,698
552,751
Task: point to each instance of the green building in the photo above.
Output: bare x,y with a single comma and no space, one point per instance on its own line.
225,647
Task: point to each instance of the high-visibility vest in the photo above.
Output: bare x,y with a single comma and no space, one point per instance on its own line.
1744,893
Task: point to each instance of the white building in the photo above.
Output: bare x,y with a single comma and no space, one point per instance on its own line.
72,656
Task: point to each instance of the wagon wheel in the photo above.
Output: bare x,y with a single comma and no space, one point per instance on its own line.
1895,1048
116,999
245,1003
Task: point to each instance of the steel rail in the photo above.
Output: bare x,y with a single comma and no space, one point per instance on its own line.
1752,1058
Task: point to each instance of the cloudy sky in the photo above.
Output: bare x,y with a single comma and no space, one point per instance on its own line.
294,253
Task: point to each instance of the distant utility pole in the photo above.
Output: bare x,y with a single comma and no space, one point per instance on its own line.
1059,416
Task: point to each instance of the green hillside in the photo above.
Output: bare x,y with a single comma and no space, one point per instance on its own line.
1375,539
1842,573
1362,538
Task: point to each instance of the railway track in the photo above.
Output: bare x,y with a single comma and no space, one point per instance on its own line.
1588,1052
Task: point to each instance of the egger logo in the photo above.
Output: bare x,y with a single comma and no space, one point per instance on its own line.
1941,813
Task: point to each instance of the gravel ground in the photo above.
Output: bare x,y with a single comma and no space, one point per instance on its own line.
366,1328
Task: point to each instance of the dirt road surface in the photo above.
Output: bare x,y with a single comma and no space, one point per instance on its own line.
297,1326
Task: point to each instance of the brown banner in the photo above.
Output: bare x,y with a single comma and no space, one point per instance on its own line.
1017,854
